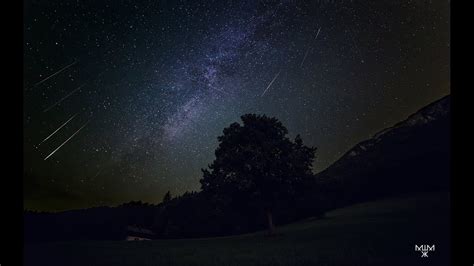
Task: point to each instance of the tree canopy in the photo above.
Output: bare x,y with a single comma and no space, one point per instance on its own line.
167,197
257,163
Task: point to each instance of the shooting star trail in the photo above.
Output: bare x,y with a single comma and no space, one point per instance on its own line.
269,85
72,117
221,90
353,41
62,99
309,48
356,46
54,74
46,158
97,174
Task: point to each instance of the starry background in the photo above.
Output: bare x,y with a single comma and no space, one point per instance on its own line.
142,89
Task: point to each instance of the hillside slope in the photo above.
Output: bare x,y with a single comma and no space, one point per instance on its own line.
413,155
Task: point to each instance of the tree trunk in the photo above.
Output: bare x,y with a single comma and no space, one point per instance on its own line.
271,227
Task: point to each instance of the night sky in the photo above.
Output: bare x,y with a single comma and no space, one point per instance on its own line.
140,90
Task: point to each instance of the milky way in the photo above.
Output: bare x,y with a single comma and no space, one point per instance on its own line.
155,82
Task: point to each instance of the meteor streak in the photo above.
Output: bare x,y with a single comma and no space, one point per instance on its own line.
269,85
98,173
309,48
54,74
58,129
46,158
62,99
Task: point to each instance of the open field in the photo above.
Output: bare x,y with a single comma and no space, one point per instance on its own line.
382,232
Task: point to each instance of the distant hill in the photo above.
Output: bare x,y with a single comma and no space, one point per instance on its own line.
412,155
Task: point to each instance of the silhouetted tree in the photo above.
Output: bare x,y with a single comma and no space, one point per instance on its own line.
167,197
257,163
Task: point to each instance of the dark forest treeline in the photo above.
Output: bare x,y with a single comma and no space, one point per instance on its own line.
189,215
412,156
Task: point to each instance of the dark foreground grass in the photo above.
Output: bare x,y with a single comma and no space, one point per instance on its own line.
376,233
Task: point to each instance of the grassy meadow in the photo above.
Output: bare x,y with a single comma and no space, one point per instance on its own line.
382,232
